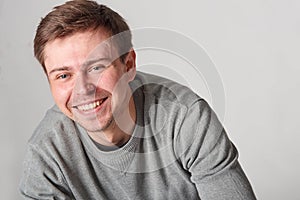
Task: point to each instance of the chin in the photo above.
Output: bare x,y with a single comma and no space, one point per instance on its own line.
97,126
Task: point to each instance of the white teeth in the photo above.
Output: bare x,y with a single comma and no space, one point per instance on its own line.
90,106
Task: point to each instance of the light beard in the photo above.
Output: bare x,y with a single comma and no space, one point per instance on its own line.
96,126
101,128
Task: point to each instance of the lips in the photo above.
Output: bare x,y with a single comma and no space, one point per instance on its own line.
90,106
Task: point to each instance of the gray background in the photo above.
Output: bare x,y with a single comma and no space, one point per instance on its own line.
254,45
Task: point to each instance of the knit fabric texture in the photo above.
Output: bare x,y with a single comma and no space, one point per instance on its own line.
178,150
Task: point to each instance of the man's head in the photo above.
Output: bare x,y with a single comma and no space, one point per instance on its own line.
80,16
89,61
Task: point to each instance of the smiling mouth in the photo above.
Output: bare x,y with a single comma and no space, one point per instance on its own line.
90,106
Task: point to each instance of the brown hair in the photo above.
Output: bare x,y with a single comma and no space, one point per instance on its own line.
79,16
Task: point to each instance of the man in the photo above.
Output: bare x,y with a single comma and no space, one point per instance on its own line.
116,133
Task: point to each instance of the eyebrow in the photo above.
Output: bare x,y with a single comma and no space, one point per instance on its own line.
89,62
64,68
85,64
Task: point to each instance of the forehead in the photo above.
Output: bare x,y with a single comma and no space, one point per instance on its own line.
78,48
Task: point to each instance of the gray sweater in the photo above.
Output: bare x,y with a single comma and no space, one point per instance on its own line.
178,150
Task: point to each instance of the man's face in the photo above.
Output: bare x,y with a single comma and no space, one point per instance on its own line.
88,81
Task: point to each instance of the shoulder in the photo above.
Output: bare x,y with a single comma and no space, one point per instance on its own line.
163,89
172,108
48,153
54,131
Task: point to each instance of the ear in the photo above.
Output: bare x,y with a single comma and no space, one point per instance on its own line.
130,64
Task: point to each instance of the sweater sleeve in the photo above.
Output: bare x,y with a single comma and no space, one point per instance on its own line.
210,157
41,178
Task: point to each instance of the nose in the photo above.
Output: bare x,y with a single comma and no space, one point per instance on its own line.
84,86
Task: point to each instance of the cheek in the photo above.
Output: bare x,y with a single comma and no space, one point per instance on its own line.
110,81
120,90
61,97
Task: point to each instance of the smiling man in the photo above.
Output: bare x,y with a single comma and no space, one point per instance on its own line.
83,71
116,133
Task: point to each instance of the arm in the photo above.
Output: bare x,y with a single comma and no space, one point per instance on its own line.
42,178
211,158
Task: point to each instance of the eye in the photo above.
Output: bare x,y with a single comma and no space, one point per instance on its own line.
97,68
62,76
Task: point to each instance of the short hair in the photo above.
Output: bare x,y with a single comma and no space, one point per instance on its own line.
79,16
